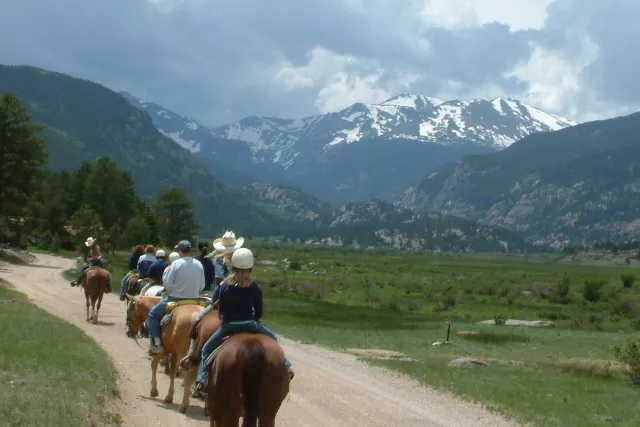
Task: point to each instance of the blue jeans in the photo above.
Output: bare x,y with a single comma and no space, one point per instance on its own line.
86,266
123,284
229,329
157,313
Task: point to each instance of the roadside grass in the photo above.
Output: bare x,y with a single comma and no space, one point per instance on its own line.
51,373
389,300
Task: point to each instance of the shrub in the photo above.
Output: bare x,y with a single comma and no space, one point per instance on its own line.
500,319
593,289
630,356
628,279
561,294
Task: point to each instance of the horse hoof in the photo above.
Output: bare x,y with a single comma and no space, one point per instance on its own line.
168,399
154,393
182,409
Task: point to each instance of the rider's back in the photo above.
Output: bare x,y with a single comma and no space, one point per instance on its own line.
184,278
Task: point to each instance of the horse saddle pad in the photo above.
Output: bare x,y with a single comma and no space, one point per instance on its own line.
172,305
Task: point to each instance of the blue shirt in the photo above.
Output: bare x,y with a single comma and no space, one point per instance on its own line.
238,304
207,265
156,270
221,269
144,263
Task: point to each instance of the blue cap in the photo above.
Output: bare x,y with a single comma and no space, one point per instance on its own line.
185,245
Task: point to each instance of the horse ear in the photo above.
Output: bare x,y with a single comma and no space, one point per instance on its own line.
129,297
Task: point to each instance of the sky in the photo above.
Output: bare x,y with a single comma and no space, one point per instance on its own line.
218,61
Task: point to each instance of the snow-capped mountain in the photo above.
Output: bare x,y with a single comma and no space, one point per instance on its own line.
363,151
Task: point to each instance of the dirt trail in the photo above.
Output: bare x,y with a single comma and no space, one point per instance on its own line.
330,389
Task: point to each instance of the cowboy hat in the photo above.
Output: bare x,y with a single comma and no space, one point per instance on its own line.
89,242
228,242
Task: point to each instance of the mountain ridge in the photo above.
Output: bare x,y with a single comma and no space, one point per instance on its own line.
362,152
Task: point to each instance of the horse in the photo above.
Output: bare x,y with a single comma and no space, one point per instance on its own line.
175,340
134,286
247,378
137,320
94,282
201,332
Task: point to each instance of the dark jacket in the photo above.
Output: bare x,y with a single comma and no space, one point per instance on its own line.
156,270
208,267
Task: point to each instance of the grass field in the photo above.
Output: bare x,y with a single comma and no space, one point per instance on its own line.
383,299
50,372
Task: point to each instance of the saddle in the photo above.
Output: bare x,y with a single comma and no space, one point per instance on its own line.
171,306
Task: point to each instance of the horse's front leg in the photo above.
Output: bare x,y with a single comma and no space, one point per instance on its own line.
172,378
93,311
154,370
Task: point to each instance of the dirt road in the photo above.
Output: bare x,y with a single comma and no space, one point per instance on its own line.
330,389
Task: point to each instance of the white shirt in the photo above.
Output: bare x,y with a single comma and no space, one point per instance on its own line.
184,278
147,257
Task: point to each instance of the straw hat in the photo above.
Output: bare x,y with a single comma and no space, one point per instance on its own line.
228,242
89,242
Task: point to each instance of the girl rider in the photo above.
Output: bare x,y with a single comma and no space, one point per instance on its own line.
240,301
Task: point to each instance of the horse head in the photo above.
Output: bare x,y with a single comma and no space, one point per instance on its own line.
134,318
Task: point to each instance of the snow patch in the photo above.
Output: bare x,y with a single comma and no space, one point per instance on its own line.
192,125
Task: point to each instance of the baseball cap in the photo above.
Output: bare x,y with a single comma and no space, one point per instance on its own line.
185,245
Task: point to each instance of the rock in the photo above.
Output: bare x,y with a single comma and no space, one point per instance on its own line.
516,322
466,361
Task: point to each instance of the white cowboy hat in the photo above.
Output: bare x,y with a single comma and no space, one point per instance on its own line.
90,241
228,242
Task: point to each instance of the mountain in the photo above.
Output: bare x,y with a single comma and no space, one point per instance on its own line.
85,120
568,187
292,204
377,223
366,151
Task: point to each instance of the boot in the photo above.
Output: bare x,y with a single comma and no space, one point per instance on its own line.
155,346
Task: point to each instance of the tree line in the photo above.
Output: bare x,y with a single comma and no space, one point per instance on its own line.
54,210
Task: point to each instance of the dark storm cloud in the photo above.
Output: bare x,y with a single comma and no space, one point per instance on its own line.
215,60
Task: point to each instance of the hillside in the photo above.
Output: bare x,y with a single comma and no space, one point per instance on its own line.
365,151
376,223
572,186
85,120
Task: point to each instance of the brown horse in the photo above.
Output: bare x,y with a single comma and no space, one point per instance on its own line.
175,340
95,282
247,378
201,331
137,320
133,287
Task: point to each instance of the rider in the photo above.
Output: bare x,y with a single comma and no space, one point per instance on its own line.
133,268
184,280
240,301
224,246
95,259
156,270
173,256
207,264
145,261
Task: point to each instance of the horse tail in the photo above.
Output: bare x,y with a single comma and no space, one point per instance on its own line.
253,362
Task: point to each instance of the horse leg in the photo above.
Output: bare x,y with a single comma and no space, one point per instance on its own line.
154,369
93,310
189,377
95,317
86,297
172,380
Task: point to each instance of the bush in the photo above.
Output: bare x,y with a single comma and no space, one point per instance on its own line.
628,279
593,289
561,294
630,356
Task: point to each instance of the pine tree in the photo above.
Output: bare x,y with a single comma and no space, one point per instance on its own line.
175,216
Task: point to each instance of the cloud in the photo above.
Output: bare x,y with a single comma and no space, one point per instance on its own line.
221,60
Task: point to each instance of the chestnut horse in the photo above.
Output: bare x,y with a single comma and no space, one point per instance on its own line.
95,281
175,340
247,378
139,320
